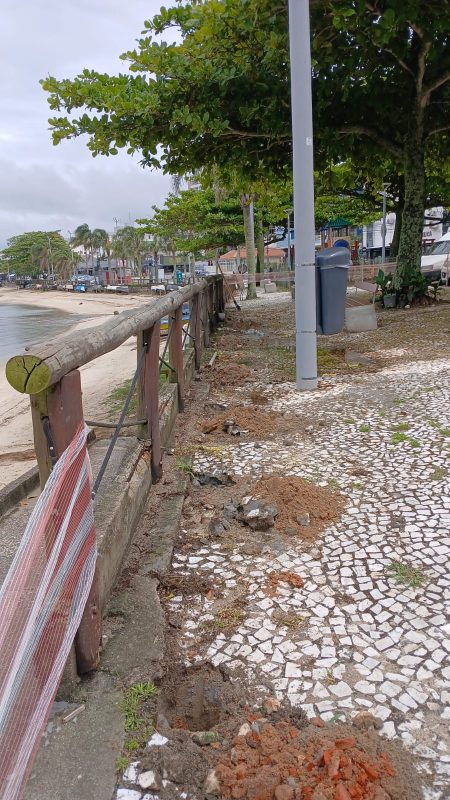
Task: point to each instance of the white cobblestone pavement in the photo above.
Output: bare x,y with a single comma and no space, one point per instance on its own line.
368,641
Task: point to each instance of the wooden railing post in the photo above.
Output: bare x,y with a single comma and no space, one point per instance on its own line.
197,329
176,354
56,415
205,315
149,394
211,305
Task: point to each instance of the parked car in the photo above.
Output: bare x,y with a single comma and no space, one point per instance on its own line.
436,265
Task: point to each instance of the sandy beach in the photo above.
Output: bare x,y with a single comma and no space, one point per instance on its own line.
99,378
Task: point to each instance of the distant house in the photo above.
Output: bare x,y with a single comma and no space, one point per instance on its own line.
234,259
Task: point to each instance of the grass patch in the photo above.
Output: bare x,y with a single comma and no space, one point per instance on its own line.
405,573
121,763
364,428
115,401
330,362
444,431
333,484
349,421
434,423
438,474
398,401
382,413
132,702
184,466
403,426
356,485
398,437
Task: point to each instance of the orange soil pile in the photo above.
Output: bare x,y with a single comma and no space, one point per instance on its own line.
274,578
279,762
295,498
231,374
248,418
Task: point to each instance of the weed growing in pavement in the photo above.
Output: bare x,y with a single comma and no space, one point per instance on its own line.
405,573
398,437
333,484
438,474
382,413
185,467
434,423
402,426
226,619
398,401
132,745
349,421
428,389
121,763
336,717
356,485
131,703
364,428
444,431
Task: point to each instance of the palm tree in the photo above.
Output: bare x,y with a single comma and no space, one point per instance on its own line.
101,240
82,237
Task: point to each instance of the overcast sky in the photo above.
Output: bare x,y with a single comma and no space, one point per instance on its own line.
43,187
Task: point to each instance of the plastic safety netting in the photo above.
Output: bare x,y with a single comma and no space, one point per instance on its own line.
41,604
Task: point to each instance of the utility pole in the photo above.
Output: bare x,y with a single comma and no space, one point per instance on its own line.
305,253
289,258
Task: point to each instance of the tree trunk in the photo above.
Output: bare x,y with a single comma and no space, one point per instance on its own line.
260,243
398,221
249,230
410,247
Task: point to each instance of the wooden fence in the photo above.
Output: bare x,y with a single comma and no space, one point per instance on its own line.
50,374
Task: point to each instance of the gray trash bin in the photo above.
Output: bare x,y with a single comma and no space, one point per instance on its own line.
332,266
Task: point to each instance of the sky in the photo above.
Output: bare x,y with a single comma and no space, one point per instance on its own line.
43,187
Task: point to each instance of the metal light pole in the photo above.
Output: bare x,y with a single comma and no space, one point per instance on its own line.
305,254
289,259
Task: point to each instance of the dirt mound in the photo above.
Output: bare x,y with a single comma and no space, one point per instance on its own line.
248,418
303,508
277,761
231,374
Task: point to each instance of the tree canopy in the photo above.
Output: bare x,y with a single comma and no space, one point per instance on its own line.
221,95
37,251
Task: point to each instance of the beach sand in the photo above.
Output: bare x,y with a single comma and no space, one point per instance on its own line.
98,378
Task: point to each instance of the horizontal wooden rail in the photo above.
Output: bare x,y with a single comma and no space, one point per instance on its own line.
43,365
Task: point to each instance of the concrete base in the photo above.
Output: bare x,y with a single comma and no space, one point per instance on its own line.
361,318
270,288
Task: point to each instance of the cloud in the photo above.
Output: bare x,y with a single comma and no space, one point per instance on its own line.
46,187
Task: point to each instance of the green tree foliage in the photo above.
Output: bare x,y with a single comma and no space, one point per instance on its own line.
192,221
35,252
130,246
220,96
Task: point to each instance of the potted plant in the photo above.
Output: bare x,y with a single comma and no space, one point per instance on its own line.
385,284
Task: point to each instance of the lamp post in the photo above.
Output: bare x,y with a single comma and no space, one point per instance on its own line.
305,252
289,258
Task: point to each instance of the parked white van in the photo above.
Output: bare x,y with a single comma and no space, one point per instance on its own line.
438,261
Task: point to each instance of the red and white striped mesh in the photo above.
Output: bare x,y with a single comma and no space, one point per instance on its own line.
41,604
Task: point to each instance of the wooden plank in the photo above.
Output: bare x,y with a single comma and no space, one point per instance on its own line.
176,354
45,364
149,394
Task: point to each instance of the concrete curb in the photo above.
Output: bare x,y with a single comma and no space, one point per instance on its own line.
16,491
